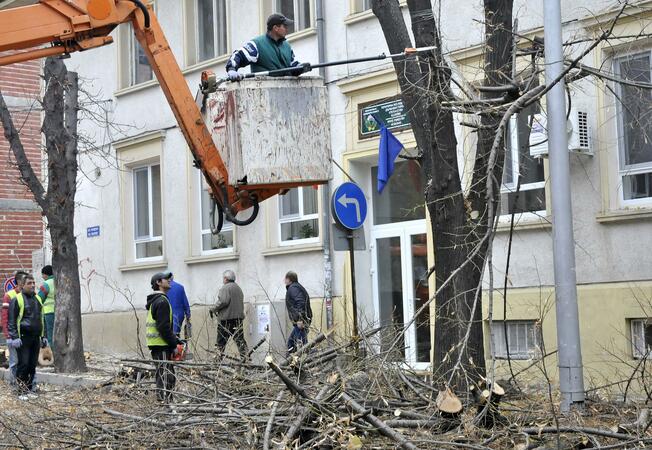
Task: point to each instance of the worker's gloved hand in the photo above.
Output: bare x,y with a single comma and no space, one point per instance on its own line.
44,342
16,343
302,68
234,75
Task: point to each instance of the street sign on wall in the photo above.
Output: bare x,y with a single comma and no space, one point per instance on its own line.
349,205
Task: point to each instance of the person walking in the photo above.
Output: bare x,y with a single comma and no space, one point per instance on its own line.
26,328
230,311
297,303
47,293
161,340
270,51
179,303
19,281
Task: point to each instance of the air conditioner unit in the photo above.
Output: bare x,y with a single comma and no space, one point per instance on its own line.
579,136
577,129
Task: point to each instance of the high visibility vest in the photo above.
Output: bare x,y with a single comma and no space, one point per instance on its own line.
21,312
12,294
48,304
154,338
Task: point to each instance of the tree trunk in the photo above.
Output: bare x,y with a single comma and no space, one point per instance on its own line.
425,83
60,130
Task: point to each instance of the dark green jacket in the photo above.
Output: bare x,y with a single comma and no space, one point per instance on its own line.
263,53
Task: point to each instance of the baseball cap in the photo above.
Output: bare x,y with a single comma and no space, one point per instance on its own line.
160,276
278,19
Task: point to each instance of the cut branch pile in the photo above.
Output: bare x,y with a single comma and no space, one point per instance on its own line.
330,396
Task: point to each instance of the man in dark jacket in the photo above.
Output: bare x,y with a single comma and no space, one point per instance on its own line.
161,340
297,302
269,51
26,329
230,311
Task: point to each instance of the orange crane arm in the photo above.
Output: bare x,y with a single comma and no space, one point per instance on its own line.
77,25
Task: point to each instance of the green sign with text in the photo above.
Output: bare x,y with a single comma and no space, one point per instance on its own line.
390,111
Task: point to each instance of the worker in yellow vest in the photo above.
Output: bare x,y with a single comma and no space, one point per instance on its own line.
26,332
19,280
161,340
47,293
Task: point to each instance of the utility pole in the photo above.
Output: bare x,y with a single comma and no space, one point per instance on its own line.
571,379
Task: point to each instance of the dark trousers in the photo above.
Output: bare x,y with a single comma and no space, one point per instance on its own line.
298,337
165,377
49,327
27,360
231,328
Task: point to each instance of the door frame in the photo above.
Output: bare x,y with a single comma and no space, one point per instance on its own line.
403,230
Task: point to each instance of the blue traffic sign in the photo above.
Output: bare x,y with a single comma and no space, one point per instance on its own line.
349,205
10,284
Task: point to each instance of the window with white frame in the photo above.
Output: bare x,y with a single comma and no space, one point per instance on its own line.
148,215
641,338
212,243
634,106
361,5
519,164
206,26
523,338
299,216
134,66
297,10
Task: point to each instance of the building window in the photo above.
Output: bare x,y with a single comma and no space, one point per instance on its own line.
299,216
402,199
635,127
207,30
641,338
523,338
297,10
361,5
212,243
134,66
520,164
148,216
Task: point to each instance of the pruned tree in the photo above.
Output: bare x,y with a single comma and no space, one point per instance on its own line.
57,202
459,220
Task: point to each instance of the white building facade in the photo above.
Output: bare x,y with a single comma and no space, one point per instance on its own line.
152,208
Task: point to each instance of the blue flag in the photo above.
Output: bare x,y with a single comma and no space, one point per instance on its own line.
388,150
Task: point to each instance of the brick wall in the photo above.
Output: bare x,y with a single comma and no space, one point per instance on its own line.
21,223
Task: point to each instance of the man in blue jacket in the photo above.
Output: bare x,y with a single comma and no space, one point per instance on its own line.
179,303
269,51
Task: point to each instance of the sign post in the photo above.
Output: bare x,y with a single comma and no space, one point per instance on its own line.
350,210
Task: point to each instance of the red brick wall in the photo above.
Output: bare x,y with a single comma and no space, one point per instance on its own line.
21,232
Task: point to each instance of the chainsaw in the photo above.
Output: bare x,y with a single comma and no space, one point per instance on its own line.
181,352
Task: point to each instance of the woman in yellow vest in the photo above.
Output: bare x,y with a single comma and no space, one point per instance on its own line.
47,294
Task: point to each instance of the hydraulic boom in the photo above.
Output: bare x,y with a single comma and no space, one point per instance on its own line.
60,27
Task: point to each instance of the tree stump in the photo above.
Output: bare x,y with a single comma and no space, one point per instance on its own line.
450,409
487,395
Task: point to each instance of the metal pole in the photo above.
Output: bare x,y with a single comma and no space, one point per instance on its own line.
571,380
325,189
354,301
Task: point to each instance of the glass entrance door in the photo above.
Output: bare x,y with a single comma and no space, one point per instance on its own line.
400,289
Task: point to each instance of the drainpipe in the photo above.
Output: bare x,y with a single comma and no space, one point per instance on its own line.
326,191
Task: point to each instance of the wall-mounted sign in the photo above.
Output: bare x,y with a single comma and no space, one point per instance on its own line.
93,231
390,111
